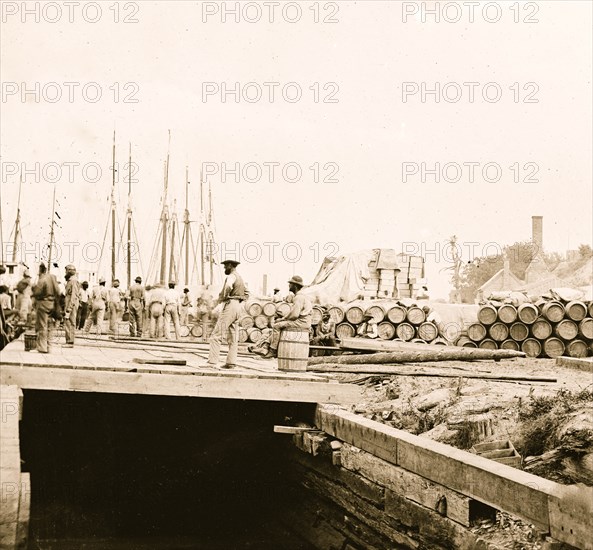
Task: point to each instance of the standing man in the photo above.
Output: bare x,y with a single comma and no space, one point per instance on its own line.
23,299
137,299
71,304
98,300
115,308
231,296
156,309
299,316
45,292
83,309
171,311
185,305
276,296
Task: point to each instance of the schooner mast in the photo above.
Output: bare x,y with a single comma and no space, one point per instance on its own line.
17,225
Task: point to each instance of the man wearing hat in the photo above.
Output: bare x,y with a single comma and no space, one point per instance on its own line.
45,292
71,304
232,294
368,327
137,298
98,300
299,317
114,305
276,296
325,332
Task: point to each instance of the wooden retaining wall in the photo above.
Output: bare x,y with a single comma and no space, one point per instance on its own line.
423,494
15,486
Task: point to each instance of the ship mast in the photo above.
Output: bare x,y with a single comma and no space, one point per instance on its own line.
51,232
129,215
165,219
113,212
17,224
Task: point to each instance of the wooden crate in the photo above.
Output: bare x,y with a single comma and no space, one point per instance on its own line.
502,451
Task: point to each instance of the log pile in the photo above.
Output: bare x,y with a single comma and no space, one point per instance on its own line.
548,328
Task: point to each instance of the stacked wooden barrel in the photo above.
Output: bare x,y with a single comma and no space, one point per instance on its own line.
548,328
394,321
259,317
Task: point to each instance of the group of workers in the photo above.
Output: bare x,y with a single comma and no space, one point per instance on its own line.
153,309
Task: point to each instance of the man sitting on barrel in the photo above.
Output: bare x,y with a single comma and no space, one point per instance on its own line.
299,317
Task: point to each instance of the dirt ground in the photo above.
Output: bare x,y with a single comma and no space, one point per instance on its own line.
436,408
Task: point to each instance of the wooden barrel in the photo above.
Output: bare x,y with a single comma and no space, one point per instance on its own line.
386,330
553,311
337,314
242,335
476,332
253,308
354,314
553,347
197,331
415,315
499,332
377,311
531,347
577,348
269,309
30,340
576,310
428,331
293,350
283,308
566,329
541,329
405,331
254,335
465,342
510,344
528,313
590,308
184,331
518,332
440,342
507,314
487,315
586,328
345,330
418,341
396,314
247,322
487,343
316,315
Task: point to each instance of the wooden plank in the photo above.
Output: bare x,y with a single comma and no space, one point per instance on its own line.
407,371
22,530
408,484
225,386
155,361
291,429
571,516
497,485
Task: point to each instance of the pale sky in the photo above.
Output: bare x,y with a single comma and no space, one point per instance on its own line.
165,58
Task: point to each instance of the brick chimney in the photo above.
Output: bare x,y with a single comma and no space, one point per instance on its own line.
537,233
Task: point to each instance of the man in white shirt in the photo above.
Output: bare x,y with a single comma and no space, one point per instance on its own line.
368,327
98,299
232,294
115,296
184,307
172,299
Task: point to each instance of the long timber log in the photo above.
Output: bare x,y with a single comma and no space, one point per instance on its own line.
442,353
404,371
